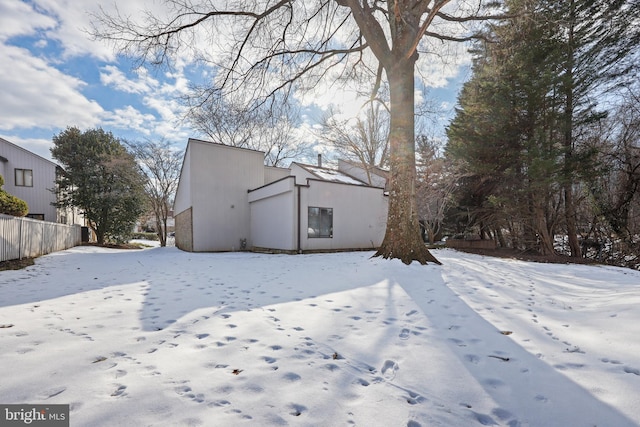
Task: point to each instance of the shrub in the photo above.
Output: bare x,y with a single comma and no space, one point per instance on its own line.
11,205
145,236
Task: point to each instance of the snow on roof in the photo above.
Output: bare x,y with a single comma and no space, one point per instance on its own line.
332,175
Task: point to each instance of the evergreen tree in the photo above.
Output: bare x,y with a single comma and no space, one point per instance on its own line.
522,117
502,136
102,179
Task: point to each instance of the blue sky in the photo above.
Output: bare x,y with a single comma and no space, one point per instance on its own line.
52,75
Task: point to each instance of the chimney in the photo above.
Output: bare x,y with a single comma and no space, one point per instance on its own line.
319,160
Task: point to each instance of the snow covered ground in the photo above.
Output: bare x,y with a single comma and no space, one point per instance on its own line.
163,337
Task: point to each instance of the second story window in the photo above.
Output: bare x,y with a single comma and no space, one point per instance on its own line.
24,178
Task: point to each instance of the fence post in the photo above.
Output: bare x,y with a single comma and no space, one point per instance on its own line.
20,238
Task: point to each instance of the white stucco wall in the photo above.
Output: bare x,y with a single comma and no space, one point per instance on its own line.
272,174
230,195
274,216
359,215
220,178
301,173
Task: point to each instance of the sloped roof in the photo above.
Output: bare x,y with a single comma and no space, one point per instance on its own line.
331,175
377,170
31,153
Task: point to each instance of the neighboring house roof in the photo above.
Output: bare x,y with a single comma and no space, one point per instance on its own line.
373,169
331,175
26,151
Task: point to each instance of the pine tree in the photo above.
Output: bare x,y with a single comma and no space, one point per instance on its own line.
102,179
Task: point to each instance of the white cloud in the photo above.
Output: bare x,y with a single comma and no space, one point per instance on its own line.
73,19
36,94
160,97
130,118
17,18
113,76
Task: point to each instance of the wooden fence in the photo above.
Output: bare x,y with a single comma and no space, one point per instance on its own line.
471,244
28,238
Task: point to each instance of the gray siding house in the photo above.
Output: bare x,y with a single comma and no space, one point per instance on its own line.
31,178
228,200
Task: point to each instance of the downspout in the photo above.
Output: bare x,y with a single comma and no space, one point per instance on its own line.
299,222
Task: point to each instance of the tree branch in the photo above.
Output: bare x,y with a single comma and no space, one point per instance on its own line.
370,29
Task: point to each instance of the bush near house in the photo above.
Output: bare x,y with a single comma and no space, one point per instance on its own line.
145,236
11,205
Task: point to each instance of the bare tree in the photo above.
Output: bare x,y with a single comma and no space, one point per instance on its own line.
160,164
615,186
363,139
436,182
270,129
263,48
224,121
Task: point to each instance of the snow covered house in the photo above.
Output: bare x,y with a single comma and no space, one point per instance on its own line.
228,200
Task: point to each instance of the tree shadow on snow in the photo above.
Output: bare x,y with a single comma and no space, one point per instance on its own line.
525,389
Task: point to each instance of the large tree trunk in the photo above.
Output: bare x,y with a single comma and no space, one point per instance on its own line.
545,240
402,239
569,88
570,218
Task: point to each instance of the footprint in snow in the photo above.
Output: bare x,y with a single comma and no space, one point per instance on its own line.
541,398
119,391
48,394
362,382
292,377
389,369
221,402
414,398
297,410
484,419
472,358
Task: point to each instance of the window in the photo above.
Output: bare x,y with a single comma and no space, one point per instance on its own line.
24,178
320,222
36,216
